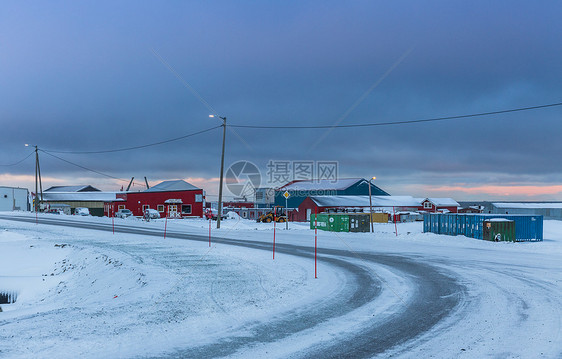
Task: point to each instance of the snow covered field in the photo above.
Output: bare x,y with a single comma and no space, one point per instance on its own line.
89,293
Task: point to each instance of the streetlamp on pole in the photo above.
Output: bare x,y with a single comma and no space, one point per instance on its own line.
371,206
219,215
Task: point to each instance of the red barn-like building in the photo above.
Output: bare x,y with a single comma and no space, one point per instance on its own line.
175,199
439,205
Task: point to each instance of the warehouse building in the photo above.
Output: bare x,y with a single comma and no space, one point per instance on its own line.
72,196
549,210
301,189
174,199
177,199
83,188
14,199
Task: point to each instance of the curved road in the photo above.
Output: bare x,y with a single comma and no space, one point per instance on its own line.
436,296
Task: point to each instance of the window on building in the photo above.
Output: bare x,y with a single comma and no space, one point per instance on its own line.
427,205
160,208
198,198
145,207
121,206
186,209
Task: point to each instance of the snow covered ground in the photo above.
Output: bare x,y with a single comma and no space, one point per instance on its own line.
88,293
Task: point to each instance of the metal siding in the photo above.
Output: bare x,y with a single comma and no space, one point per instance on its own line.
527,227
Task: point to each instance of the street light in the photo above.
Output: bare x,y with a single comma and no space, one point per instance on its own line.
371,206
219,215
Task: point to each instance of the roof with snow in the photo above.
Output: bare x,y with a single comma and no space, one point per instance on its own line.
363,201
80,196
527,205
170,186
321,184
442,202
83,188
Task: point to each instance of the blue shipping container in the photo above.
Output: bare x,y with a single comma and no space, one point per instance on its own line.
527,227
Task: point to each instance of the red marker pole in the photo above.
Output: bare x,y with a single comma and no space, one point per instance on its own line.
315,242
394,216
274,221
165,226
113,219
209,232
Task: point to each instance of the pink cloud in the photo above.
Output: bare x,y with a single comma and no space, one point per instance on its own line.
498,190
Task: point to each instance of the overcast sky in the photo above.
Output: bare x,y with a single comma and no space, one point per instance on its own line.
89,76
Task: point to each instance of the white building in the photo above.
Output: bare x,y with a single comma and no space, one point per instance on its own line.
14,199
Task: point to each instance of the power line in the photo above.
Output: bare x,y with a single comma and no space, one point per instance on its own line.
402,122
138,147
20,161
82,167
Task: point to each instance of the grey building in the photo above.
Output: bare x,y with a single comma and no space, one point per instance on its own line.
85,196
264,197
549,210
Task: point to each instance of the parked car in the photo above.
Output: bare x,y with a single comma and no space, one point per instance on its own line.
151,213
123,213
82,211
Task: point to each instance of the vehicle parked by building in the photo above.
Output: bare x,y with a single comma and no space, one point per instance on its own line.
81,211
123,213
151,213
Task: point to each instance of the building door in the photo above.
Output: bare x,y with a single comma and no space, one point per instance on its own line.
172,210
308,214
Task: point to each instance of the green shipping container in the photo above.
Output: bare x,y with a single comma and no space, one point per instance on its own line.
498,230
321,220
338,222
333,222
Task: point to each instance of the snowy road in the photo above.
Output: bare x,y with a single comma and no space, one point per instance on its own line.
367,302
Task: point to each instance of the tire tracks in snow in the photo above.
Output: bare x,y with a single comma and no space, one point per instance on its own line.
436,295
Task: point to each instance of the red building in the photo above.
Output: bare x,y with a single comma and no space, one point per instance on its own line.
175,199
471,209
231,204
448,205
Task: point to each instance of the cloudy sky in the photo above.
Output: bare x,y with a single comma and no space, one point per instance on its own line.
98,76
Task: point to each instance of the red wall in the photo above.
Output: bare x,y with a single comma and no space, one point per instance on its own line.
433,209
300,215
238,204
135,200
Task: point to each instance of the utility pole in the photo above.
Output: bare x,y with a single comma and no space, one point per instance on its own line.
371,206
219,214
38,184
36,199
